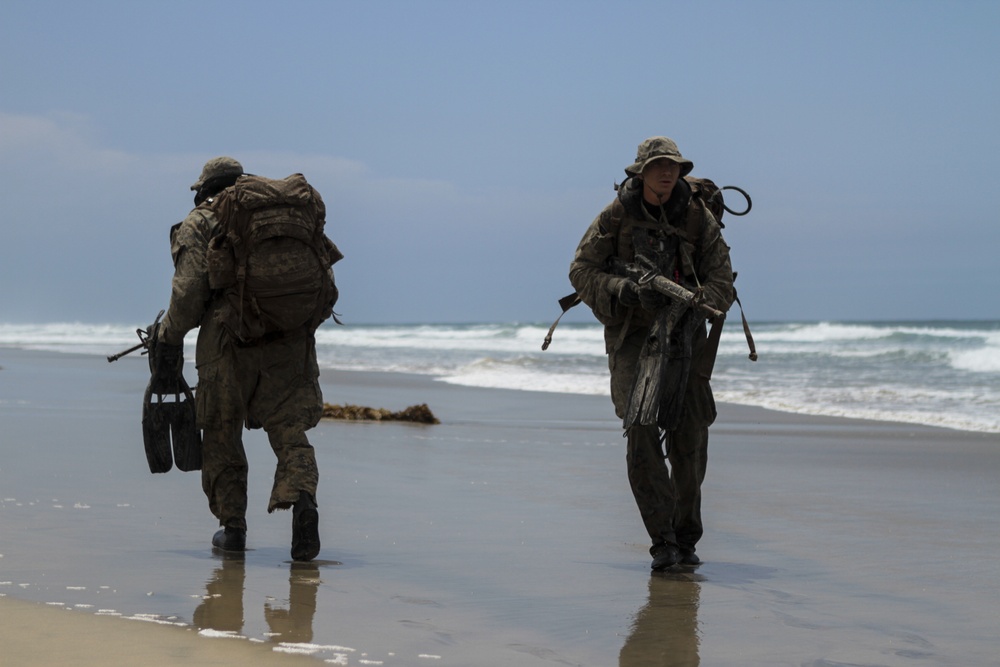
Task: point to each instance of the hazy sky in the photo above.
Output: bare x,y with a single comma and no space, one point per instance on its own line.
463,147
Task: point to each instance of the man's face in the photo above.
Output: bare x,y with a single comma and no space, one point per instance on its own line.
658,180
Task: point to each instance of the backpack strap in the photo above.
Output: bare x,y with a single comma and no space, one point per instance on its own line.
238,219
233,220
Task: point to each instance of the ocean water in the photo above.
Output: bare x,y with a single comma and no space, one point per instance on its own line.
943,373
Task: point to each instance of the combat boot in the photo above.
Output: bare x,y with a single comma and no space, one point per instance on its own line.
664,556
305,528
230,539
689,557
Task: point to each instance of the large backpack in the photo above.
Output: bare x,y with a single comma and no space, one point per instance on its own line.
711,195
271,258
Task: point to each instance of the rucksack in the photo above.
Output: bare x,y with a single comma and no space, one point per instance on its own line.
271,258
711,195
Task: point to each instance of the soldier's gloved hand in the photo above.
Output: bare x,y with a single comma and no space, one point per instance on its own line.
167,365
166,362
627,293
169,359
651,299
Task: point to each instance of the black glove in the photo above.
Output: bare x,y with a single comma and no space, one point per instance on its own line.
651,299
628,294
166,362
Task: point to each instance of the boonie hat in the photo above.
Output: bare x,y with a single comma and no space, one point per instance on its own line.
218,166
658,148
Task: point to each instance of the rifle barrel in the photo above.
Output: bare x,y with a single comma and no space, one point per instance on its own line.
116,357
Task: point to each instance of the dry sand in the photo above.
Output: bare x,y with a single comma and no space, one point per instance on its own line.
505,535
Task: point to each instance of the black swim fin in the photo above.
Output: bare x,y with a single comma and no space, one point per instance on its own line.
166,421
156,433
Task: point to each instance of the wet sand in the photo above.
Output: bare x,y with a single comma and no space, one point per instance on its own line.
505,535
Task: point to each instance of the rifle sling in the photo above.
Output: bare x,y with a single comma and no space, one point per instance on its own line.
565,303
746,329
571,300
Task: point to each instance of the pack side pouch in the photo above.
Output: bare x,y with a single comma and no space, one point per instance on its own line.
221,263
332,251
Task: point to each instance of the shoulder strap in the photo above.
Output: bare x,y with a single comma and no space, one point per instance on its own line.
233,220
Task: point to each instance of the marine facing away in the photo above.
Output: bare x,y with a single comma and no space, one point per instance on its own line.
255,368
658,350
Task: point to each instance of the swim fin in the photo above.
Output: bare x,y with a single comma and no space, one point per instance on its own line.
156,434
171,421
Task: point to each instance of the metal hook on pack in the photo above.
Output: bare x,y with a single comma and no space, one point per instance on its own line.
745,195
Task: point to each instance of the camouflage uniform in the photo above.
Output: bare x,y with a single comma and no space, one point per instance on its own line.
669,500
272,385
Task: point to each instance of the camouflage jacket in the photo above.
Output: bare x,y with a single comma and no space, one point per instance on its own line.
703,255
190,297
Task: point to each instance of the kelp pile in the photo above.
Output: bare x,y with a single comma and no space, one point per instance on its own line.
418,414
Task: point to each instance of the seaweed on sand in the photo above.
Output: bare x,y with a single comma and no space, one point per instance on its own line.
419,414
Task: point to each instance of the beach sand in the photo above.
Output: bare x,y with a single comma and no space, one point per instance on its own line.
506,535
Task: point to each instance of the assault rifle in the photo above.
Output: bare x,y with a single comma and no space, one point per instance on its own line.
643,276
144,335
651,276
657,394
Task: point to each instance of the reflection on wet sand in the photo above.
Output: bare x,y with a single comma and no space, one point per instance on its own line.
290,621
222,607
294,623
665,631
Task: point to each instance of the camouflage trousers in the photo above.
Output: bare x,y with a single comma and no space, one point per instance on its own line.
668,497
274,386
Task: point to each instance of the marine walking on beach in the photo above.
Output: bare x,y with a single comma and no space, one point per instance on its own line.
253,270
658,233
